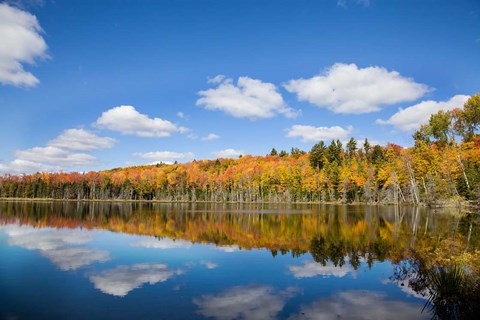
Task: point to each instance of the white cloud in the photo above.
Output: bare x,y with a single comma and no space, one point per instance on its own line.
56,156
217,79
258,302
362,305
21,43
180,114
163,244
209,264
25,166
228,153
411,118
127,120
312,269
165,156
311,133
249,98
123,279
80,139
211,137
61,246
345,88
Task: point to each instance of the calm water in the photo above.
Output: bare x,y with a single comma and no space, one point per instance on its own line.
186,261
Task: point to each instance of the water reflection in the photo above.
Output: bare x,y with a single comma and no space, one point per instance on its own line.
123,279
313,269
63,247
340,234
359,304
309,262
242,302
164,243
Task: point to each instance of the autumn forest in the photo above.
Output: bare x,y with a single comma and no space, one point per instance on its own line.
442,165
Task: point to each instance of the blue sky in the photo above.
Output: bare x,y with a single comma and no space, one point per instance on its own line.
90,85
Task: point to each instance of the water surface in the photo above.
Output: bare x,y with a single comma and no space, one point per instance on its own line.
188,261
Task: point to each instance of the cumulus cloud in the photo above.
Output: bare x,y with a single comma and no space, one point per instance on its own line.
257,302
127,120
164,156
313,269
64,248
362,304
165,243
22,43
25,166
413,117
211,137
249,98
311,133
228,153
345,88
80,139
123,279
58,155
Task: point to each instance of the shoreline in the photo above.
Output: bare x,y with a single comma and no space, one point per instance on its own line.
463,204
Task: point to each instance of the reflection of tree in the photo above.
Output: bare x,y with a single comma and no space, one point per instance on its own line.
318,250
452,288
340,234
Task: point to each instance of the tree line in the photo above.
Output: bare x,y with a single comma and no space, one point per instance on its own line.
443,164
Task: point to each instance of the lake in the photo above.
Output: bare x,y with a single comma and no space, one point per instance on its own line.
220,261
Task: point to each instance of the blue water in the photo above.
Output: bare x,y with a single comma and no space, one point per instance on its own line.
75,273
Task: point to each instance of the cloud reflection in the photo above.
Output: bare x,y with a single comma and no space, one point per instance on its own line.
312,269
164,243
123,279
61,246
256,302
233,248
209,264
359,305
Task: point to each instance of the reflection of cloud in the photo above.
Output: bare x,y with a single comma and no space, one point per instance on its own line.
359,305
312,269
406,288
164,243
209,264
61,246
258,302
123,279
44,239
75,257
233,248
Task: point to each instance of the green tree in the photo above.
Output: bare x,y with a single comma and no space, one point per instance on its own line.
273,152
317,155
351,147
334,152
377,154
366,147
471,116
